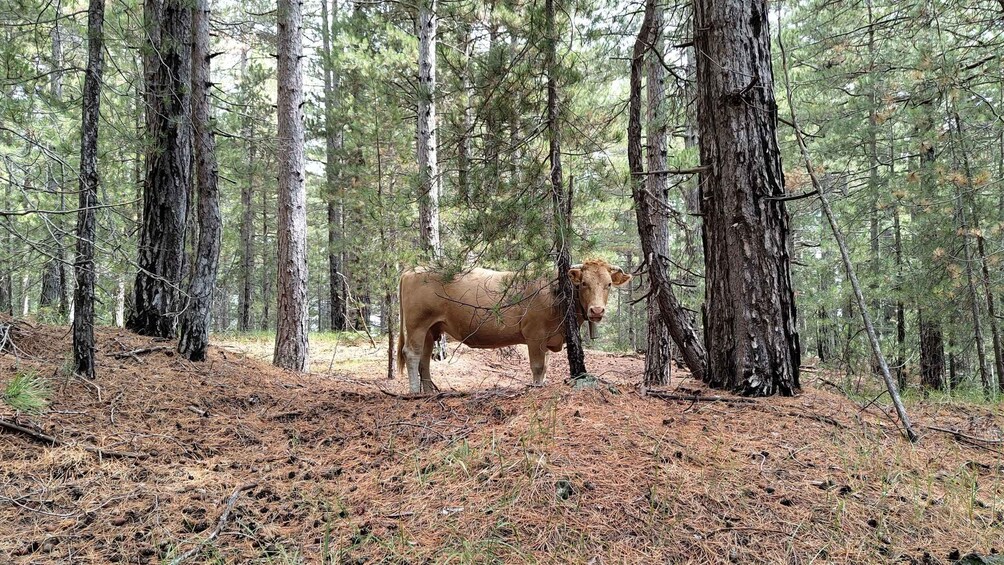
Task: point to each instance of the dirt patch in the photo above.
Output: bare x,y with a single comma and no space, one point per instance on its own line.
329,468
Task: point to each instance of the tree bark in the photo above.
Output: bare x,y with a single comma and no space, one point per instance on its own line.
981,254
168,67
467,93
428,167
750,331
561,202
291,347
932,354
962,215
333,191
83,320
247,222
195,320
658,354
648,212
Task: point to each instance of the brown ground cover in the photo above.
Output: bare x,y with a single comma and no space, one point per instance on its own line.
340,468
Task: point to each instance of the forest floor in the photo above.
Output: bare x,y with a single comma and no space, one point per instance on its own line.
235,461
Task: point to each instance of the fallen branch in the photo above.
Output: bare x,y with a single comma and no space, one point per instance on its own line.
976,441
697,398
140,351
45,438
224,517
425,395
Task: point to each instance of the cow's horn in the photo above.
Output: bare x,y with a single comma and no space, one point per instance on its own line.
576,266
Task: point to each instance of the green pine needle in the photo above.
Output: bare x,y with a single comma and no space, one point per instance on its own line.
27,392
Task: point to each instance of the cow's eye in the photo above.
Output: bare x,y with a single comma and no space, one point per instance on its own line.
610,284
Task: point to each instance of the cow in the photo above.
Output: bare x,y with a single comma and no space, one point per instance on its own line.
488,309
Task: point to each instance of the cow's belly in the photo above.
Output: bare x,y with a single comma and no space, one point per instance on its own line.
484,336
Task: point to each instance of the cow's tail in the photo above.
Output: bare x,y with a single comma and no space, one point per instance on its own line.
400,326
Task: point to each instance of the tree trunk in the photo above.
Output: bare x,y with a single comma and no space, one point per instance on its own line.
428,168
291,347
649,216
561,201
962,214
932,354
54,273
120,292
333,192
83,320
247,223
52,283
750,332
981,254
467,93
267,276
195,320
168,67
658,354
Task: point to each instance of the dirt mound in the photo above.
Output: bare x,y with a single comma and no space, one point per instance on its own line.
340,468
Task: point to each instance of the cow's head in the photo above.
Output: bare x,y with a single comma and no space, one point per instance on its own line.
593,280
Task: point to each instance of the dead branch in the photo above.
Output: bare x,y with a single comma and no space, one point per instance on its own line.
140,351
904,418
976,441
45,438
224,517
697,398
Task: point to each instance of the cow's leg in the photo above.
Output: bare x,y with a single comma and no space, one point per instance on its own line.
413,351
538,361
423,368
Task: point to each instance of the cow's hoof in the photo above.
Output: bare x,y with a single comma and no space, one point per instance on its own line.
536,384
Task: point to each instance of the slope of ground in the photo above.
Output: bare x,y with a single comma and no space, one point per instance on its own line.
326,467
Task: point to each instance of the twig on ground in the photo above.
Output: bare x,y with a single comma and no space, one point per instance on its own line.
89,383
45,438
224,517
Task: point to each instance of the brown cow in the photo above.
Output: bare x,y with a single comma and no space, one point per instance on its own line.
484,309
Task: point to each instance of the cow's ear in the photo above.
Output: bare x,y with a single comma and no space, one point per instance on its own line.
575,275
619,277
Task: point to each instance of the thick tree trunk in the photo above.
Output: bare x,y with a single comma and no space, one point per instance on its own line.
658,353
168,67
195,320
561,202
648,214
83,321
932,354
291,348
333,191
750,333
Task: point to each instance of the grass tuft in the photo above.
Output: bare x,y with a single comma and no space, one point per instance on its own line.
27,392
